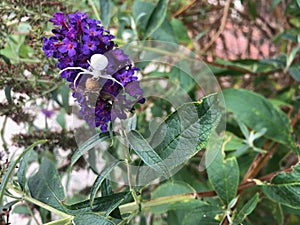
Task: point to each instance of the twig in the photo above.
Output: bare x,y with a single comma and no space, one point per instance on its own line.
252,171
184,8
271,175
295,119
146,205
222,26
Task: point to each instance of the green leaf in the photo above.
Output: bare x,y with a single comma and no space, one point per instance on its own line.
246,210
88,145
7,91
295,73
184,133
187,130
204,215
65,95
105,11
141,12
278,214
180,31
274,4
63,221
100,178
22,171
8,205
22,209
223,174
180,73
91,219
174,188
232,142
132,121
60,119
252,9
257,113
106,188
165,32
285,188
291,56
144,150
101,204
157,17
46,186
12,166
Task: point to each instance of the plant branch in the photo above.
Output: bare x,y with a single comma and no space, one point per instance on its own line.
257,163
147,205
222,26
184,8
295,119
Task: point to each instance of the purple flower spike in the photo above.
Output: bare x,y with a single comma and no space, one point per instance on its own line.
76,38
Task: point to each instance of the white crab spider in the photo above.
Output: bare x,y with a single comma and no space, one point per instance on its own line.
98,62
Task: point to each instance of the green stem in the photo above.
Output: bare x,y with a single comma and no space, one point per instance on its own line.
128,219
145,206
32,214
164,52
25,197
128,161
2,135
60,221
26,80
91,2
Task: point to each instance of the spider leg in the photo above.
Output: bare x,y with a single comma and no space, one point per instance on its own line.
73,68
109,77
78,75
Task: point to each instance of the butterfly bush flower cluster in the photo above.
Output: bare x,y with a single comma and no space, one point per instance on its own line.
76,38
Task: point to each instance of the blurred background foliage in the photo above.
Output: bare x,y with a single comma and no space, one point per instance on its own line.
247,44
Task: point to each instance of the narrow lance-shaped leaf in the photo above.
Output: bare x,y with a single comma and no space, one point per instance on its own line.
291,56
294,72
46,186
100,178
88,145
12,166
285,188
143,149
246,210
91,219
7,92
105,204
157,17
105,11
22,171
223,174
106,188
8,205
